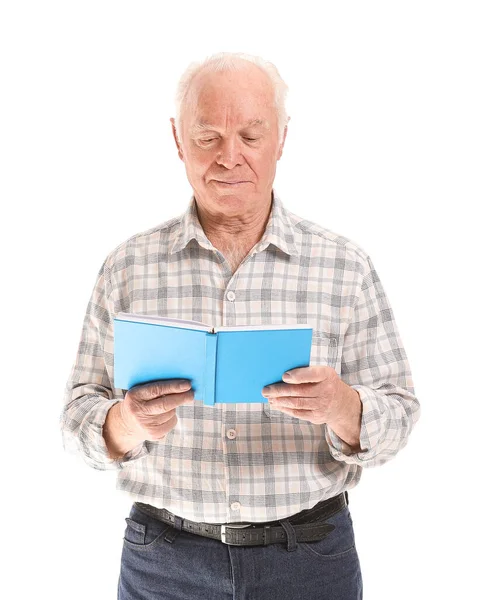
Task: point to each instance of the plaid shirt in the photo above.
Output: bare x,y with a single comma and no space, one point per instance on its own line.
245,462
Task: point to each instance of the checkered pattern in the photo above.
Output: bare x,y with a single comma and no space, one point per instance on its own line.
277,465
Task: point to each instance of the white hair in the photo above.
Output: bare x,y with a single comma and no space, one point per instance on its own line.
232,61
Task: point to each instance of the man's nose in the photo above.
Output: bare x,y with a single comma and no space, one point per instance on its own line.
230,153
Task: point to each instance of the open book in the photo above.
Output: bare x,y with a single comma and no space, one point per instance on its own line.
224,364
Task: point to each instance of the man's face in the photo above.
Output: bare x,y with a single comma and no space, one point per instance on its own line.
230,141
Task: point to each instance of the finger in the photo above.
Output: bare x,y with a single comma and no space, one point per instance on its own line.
157,432
295,403
313,374
279,390
154,389
150,417
167,403
305,415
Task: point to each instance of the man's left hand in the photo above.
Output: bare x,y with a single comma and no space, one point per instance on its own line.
317,394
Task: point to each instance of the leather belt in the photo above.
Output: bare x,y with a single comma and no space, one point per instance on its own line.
308,525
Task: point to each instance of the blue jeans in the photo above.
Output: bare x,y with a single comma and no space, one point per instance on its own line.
193,567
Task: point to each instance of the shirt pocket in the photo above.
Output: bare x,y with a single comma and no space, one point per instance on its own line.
324,351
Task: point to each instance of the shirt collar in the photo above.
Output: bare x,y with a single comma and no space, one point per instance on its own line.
279,230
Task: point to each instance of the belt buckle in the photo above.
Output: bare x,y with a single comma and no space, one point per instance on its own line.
232,526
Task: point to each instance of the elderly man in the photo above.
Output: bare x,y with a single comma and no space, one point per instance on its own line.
242,500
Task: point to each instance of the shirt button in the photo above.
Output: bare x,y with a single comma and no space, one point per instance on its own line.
235,506
231,434
231,296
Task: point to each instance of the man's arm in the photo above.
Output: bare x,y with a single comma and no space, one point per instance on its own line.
89,393
375,366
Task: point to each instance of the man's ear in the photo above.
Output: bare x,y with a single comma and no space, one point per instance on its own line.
281,147
178,144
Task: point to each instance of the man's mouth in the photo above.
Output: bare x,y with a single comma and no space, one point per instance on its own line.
229,182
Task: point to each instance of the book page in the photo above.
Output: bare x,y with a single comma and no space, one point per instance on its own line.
263,327
157,320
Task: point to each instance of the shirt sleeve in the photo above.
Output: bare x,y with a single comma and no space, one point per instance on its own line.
89,393
375,364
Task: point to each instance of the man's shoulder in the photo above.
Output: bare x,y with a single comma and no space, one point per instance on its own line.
154,239
313,233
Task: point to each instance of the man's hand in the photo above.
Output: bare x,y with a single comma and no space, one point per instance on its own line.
148,412
317,394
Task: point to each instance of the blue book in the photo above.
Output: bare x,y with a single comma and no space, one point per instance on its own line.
224,364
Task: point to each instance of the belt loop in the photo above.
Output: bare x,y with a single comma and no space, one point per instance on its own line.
291,537
174,530
171,535
347,497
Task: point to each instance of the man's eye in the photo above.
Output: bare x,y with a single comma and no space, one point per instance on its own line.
209,140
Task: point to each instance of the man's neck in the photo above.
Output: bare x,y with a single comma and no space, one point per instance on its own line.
234,237
245,230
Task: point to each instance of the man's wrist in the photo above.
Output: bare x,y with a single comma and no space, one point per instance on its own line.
347,422
118,439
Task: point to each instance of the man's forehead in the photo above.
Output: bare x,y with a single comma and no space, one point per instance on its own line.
205,125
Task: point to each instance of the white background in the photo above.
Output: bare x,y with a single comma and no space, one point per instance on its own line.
382,148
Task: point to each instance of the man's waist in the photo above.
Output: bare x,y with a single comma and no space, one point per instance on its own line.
319,511
306,526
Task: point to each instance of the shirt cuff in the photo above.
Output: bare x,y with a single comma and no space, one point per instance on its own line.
93,445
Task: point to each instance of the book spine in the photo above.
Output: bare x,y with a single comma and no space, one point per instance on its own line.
210,370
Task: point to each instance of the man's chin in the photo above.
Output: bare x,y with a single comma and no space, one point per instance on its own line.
231,194
232,200
231,203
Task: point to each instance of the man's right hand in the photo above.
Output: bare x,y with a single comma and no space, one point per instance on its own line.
148,412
